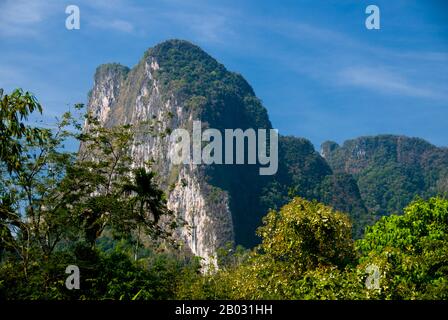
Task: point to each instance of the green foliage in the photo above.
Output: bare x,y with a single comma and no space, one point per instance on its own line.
411,251
104,275
330,283
302,237
307,253
306,234
391,170
14,109
55,205
212,93
303,172
59,208
341,191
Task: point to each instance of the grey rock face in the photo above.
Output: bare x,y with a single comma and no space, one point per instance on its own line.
121,96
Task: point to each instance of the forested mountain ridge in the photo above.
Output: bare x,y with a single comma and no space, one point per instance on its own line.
304,172
390,170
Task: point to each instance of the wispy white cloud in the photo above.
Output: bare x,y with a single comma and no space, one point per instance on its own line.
112,15
121,25
109,5
429,56
209,27
23,17
384,81
11,77
309,32
335,59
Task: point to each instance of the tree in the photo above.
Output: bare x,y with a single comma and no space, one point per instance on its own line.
14,110
411,251
8,220
31,164
150,202
303,236
117,199
55,204
307,234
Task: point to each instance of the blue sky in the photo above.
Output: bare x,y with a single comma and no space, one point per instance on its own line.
320,73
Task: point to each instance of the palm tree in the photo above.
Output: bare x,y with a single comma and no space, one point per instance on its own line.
148,198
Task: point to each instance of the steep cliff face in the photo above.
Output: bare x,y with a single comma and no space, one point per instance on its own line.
174,84
106,88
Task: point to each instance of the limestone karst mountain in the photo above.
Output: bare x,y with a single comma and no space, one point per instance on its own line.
176,83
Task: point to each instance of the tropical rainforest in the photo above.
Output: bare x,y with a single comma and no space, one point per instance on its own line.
60,208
